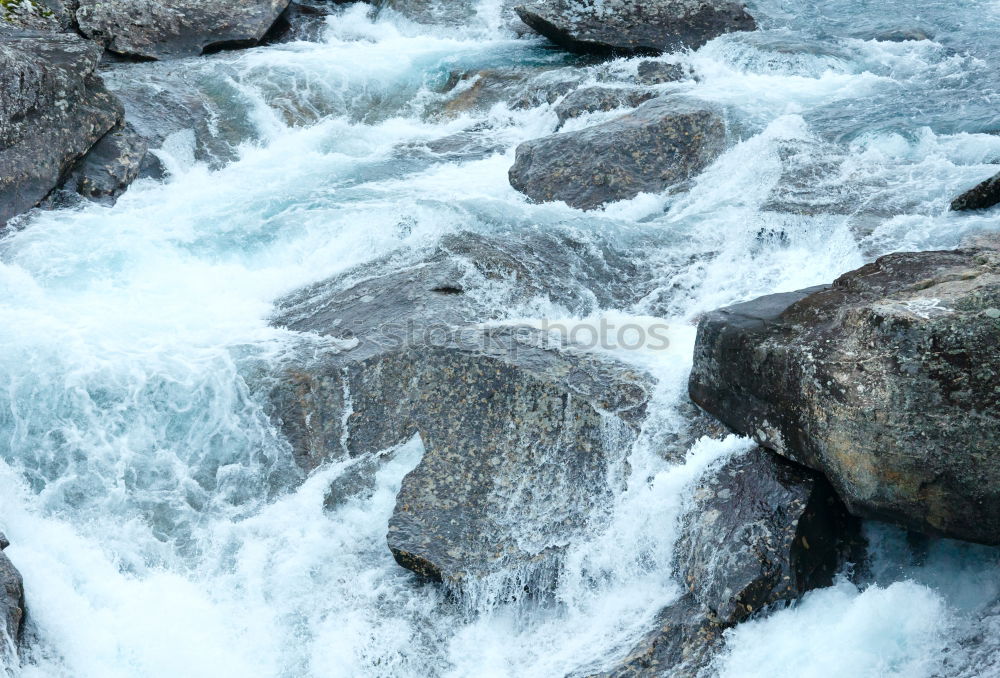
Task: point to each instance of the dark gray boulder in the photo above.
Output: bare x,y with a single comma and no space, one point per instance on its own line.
682,644
626,27
110,166
980,197
53,109
761,530
600,98
11,602
39,15
659,72
885,381
167,29
662,143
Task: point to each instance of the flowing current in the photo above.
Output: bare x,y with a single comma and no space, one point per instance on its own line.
155,511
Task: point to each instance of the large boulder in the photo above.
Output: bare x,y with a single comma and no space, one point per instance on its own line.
885,381
761,530
11,601
53,109
662,143
108,168
626,27
166,29
979,197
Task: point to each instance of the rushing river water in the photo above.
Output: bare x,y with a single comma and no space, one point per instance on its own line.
154,510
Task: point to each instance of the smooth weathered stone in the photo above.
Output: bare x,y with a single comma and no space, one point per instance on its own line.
166,29
659,72
662,143
108,169
598,98
980,197
519,88
761,530
685,640
886,381
53,109
626,27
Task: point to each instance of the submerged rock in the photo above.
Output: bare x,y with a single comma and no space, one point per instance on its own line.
166,29
623,27
11,602
659,72
519,88
982,196
761,530
598,98
53,109
886,381
110,166
662,143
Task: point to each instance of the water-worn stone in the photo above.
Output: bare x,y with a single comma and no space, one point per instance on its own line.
110,166
598,98
686,638
626,27
167,29
980,197
886,381
662,143
761,530
659,72
53,109
519,88
11,604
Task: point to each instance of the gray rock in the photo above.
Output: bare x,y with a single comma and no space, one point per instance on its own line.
980,197
110,166
685,640
39,15
626,27
519,88
600,98
761,530
885,381
659,72
662,143
11,604
53,109
166,29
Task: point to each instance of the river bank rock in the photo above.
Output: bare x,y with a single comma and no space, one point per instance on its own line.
168,29
108,168
624,28
885,381
11,601
53,109
662,143
761,530
980,197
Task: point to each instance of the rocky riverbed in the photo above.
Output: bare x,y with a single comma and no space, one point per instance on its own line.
562,338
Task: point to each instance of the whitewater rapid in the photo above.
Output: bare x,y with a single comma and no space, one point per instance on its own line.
155,512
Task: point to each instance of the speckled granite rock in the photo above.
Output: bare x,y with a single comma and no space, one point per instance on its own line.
40,15
338,404
598,98
110,166
886,381
166,29
53,109
626,27
686,638
761,530
662,143
659,72
11,601
980,197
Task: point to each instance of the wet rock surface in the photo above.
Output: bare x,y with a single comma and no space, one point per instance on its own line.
53,109
682,644
11,601
597,98
662,143
761,530
885,381
108,169
980,197
659,72
165,29
624,27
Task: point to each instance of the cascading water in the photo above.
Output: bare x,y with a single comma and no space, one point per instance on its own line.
154,510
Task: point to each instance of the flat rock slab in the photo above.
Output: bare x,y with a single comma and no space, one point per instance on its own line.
168,29
53,109
662,143
885,381
628,27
